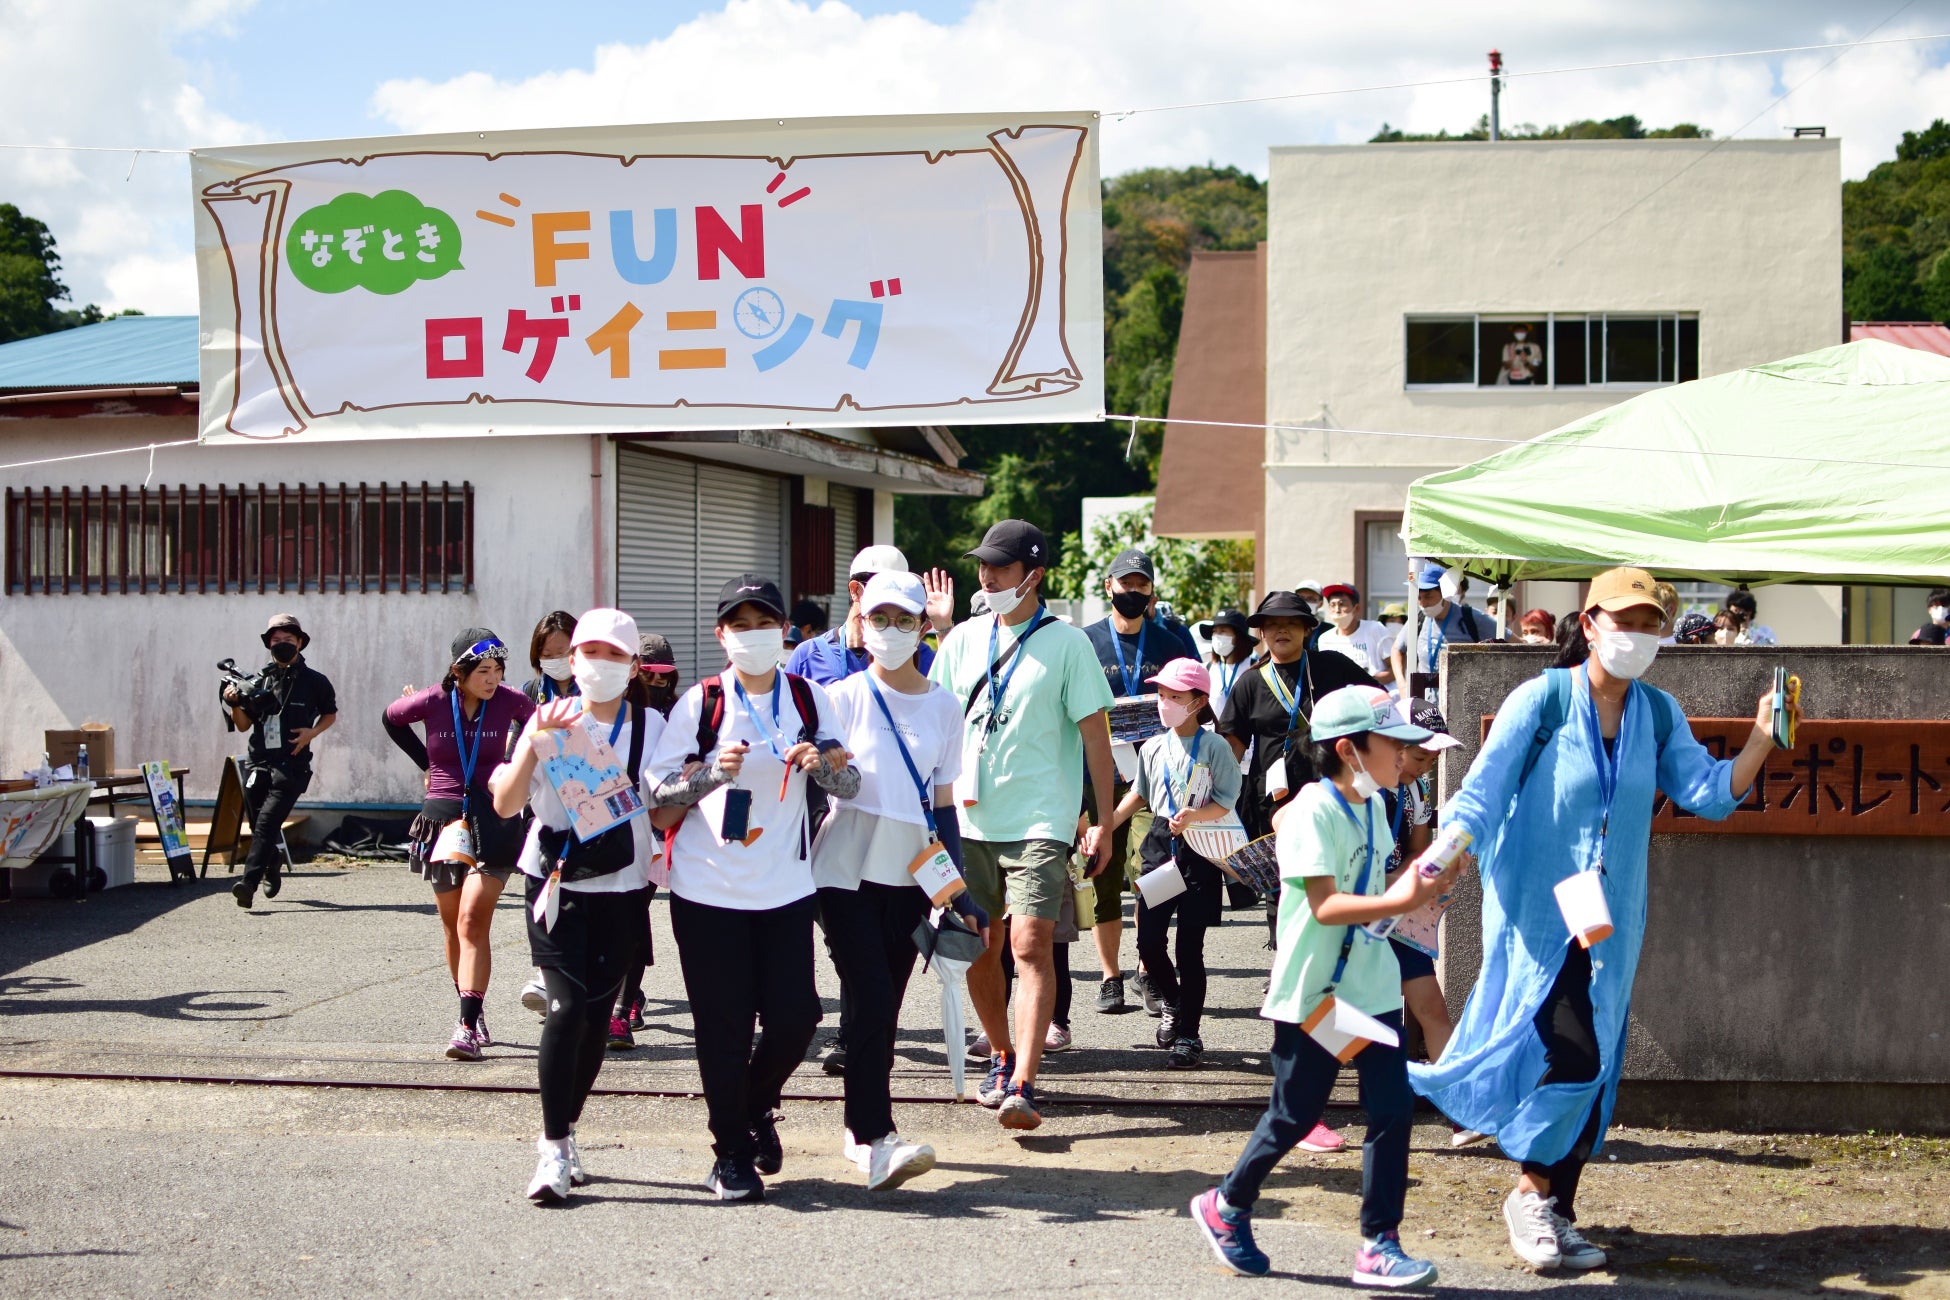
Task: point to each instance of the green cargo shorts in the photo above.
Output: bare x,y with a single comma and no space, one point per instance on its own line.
1029,876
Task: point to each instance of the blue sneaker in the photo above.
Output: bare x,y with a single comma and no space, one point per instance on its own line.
1383,1262
995,1084
1230,1234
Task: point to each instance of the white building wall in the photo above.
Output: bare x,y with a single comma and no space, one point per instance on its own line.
1361,237
146,664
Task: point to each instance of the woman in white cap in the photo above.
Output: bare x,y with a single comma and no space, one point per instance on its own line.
731,775
905,732
1563,787
458,843
588,900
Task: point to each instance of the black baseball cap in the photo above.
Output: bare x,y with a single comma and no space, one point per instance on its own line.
1282,604
1132,561
1011,541
750,589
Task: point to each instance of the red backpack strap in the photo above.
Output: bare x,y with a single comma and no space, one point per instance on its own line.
802,700
710,717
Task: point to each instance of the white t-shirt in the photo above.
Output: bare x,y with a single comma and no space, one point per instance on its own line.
1367,645
930,724
1224,677
774,869
549,812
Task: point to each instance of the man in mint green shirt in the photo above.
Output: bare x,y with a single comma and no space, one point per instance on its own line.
1036,716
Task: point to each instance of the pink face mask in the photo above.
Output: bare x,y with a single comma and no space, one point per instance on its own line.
1172,713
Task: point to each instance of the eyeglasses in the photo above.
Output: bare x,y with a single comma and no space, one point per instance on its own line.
898,622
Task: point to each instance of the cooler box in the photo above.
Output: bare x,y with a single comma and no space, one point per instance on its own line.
114,857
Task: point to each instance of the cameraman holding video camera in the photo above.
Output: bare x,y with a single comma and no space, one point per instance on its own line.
289,705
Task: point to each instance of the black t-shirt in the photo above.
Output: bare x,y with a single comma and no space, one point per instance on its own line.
1255,715
1162,644
304,696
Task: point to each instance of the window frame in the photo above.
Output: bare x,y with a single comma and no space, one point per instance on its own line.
1549,320
218,539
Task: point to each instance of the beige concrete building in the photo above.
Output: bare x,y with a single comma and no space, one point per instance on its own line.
1398,278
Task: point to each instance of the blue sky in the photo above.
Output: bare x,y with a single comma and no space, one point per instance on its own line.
181,73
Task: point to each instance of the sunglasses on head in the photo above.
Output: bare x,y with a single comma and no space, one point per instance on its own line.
489,649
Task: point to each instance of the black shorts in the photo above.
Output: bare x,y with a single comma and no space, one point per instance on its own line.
1414,962
597,938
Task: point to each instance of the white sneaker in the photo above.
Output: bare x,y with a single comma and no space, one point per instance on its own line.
1573,1250
550,1185
534,996
979,1050
1533,1228
577,1175
1466,1137
859,1153
895,1161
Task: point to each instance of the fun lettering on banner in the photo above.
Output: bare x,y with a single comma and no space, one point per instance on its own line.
844,272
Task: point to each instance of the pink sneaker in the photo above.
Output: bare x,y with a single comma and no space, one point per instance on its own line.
463,1046
1057,1039
1323,1140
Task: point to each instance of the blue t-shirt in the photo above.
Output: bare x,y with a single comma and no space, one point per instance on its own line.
1162,643
826,659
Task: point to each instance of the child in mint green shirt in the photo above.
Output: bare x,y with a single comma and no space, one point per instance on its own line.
1333,847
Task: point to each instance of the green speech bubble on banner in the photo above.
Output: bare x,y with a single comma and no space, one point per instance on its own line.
382,242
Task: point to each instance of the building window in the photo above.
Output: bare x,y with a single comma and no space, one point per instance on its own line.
386,537
1552,350
1381,561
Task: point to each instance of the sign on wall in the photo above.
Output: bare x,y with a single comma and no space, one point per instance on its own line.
837,272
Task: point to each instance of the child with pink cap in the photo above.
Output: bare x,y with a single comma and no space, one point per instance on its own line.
1185,775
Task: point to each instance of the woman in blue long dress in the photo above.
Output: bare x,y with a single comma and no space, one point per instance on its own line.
1535,1059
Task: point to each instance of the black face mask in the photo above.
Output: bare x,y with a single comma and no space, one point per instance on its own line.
1131,604
284,652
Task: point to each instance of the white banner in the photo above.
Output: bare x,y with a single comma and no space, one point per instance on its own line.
838,272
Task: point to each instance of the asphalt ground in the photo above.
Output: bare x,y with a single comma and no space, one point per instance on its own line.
114,1188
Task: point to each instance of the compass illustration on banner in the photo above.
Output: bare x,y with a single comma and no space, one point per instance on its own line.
758,313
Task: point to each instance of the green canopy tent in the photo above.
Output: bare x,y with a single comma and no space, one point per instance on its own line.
1832,467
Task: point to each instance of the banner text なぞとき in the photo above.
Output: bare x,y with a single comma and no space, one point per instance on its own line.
860,271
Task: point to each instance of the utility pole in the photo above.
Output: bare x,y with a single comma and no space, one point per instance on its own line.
1496,90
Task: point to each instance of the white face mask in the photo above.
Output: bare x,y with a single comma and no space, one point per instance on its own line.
755,652
1939,613
1625,654
1521,335
1003,603
1365,786
1172,713
891,648
1346,620
601,680
557,669
1222,644
1535,638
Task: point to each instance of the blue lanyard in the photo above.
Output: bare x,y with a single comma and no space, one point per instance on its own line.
550,691
616,728
467,756
773,732
1226,679
920,782
1171,804
1289,699
1132,676
1361,885
999,689
1607,765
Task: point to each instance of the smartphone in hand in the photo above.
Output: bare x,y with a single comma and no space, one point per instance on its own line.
1787,708
736,822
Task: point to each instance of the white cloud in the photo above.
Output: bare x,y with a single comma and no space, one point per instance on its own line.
760,58
97,72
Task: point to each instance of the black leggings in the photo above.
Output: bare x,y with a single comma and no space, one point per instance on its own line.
1182,986
575,1035
1570,1037
871,933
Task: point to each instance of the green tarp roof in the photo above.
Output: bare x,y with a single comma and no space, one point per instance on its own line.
1828,467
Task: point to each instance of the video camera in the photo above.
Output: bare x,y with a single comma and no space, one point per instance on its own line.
258,703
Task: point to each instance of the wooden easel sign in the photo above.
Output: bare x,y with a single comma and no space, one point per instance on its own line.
169,822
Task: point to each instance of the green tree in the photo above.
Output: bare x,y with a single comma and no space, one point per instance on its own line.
1884,287
1896,230
30,281
1197,578
1626,127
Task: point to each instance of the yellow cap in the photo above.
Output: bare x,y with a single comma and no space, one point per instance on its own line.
1617,589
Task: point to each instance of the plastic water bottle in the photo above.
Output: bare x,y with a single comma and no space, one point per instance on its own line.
44,777
81,763
1450,842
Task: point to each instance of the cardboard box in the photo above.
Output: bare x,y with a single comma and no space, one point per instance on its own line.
62,747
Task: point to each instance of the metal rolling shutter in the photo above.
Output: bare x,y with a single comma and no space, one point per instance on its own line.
682,528
845,502
656,549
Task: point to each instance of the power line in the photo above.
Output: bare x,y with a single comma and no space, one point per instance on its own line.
151,448
1844,46
1526,442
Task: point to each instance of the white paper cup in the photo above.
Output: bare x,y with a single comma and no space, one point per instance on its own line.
1582,901
1162,883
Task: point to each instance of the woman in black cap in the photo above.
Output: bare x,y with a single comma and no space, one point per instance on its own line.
459,845
1232,641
